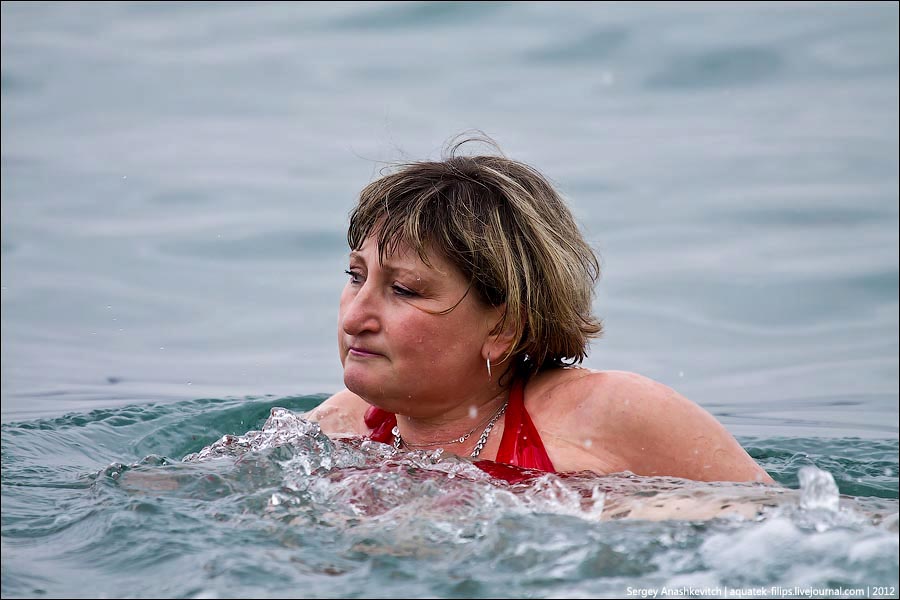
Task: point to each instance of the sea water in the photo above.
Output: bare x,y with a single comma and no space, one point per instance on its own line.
183,506
176,179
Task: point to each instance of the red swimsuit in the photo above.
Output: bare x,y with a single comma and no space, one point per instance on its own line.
521,445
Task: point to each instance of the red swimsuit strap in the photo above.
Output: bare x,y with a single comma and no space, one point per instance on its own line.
381,422
521,444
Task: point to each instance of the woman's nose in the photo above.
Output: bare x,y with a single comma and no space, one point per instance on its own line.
360,310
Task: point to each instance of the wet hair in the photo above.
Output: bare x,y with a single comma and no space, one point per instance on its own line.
511,235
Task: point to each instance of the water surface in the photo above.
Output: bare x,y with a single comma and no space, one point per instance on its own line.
176,183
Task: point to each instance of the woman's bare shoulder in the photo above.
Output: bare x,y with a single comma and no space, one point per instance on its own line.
341,414
576,389
610,395
646,425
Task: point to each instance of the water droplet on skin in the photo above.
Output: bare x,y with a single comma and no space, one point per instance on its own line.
473,412
588,443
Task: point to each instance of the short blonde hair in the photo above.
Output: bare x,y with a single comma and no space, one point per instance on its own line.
510,234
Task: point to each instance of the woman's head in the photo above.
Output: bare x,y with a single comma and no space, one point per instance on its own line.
509,236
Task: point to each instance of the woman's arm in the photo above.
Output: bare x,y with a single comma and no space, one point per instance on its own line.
342,414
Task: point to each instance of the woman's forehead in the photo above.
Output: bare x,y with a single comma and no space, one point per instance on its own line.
403,257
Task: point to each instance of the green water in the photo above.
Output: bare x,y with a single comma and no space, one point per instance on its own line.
101,505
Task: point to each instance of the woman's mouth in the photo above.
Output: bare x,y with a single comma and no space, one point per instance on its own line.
362,352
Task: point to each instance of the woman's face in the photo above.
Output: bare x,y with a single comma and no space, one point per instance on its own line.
398,355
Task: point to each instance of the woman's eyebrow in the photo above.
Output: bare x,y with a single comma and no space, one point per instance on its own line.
390,268
395,269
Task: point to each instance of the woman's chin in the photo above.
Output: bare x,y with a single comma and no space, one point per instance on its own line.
364,385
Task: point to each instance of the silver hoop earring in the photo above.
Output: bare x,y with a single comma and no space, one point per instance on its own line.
489,367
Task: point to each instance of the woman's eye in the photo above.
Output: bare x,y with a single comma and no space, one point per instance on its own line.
356,278
403,292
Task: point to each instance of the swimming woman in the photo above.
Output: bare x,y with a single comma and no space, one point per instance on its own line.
466,314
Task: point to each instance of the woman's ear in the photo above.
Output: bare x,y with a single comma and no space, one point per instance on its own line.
501,336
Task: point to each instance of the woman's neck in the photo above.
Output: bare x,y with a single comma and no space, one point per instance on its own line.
457,431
